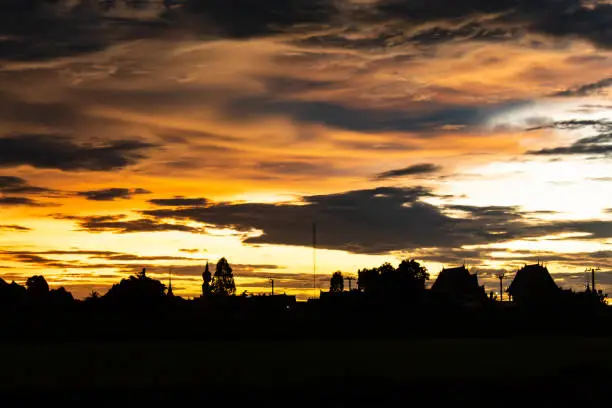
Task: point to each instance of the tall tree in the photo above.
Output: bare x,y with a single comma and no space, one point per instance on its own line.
37,288
386,270
367,279
412,275
223,281
336,283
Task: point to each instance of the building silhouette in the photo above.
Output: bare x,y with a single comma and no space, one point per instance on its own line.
533,284
458,285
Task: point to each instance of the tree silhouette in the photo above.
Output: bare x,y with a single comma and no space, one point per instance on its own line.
206,278
12,294
601,297
412,274
386,270
223,280
336,283
407,281
37,288
367,279
61,297
94,295
137,288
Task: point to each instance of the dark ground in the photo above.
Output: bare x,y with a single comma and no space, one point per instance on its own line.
367,373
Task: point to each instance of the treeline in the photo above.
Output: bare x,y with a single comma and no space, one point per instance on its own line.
387,301
136,290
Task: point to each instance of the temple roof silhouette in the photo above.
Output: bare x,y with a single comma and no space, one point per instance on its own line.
456,280
531,282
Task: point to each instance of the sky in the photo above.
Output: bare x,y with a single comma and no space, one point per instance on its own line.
168,134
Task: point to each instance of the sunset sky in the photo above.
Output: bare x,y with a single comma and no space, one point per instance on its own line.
165,134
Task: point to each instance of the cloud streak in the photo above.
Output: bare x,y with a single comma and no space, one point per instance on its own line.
111,194
62,153
14,228
119,225
178,202
414,170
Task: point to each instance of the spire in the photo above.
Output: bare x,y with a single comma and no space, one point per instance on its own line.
206,272
207,278
170,294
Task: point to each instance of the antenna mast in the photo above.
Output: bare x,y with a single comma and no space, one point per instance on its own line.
314,259
272,282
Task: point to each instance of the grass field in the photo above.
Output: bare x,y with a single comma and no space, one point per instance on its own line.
282,365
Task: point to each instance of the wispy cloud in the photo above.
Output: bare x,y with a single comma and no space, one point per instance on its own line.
414,170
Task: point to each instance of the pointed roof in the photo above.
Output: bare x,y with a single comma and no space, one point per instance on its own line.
532,281
457,280
170,293
206,274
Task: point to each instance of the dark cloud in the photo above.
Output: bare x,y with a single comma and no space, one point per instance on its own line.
109,255
119,225
33,258
416,169
598,124
130,257
248,18
110,194
422,23
556,18
575,149
382,220
502,214
571,18
424,117
14,228
46,29
594,145
9,201
449,256
440,10
587,89
57,152
366,221
600,144
17,185
471,31
178,202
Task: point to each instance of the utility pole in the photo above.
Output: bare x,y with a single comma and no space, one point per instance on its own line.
350,280
593,278
272,282
501,275
593,270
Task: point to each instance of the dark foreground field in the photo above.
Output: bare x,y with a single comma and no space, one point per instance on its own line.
465,372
